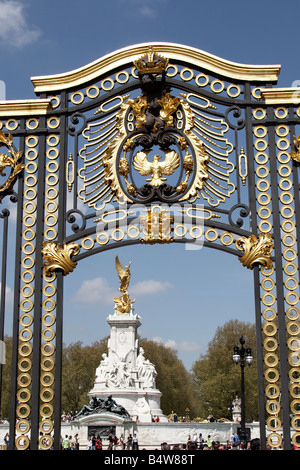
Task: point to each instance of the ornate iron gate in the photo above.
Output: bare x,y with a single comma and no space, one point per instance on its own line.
155,143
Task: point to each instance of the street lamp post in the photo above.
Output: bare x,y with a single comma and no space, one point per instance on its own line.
243,356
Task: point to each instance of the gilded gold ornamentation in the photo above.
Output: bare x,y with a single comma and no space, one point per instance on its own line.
70,172
257,250
58,257
124,171
139,107
188,166
11,161
296,154
156,168
151,62
123,303
169,105
178,52
112,152
243,166
157,226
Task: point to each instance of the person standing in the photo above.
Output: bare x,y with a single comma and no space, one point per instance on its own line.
209,441
98,443
66,443
129,442
110,442
122,441
135,444
6,440
76,442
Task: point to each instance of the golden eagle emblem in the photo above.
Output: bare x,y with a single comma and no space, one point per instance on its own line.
156,168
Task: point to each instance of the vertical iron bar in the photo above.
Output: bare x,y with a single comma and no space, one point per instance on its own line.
295,185
17,274
253,222
59,297
279,285
243,420
5,215
36,356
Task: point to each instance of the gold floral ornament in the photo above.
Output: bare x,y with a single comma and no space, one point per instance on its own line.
12,161
58,257
123,303
257,250
296,154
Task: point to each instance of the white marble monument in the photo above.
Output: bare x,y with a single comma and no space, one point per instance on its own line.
124,372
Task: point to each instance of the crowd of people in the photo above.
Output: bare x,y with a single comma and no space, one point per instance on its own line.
195,442
68,416
95,442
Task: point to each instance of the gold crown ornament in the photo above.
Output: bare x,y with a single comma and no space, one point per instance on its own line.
151,62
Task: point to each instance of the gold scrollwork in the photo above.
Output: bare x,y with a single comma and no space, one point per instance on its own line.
296,154
11,161
256,250
57,256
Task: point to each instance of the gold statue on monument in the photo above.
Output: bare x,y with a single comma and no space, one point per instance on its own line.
123,303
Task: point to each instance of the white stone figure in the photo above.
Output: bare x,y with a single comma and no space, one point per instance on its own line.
142,409
146,370
102,368
236,410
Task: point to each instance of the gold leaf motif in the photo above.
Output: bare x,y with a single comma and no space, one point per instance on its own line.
296,154
57,256
11,161
257,250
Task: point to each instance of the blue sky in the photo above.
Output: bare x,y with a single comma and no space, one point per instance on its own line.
181,295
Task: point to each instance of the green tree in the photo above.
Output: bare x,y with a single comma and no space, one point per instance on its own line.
6,379
78,372
218,379
173,380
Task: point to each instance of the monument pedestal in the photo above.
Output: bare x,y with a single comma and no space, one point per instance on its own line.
125,374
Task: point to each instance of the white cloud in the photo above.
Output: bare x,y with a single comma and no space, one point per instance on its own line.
14,28
185,346
149,287
95,291
9,296
147,11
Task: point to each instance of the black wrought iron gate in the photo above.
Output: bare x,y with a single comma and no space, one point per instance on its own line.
155,143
